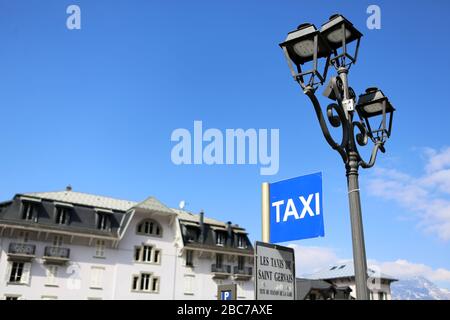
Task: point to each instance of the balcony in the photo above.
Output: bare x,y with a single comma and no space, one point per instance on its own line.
21,251
244,273
222,271
56,255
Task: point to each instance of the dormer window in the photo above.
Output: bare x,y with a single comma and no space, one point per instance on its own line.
192,233
62,215
102,221
27,211
241,242
29,208
150,228
220,238
62,212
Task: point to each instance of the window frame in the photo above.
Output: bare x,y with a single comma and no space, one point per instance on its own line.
25,273
189,290
51,281
153,227
220,235
62,213
137,282
241,262
58,241
241,241
189,258
99,282
219,258
27,211
103,221
153,252
100,249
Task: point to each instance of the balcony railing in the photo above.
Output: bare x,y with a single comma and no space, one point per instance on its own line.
56,254
21,251
245,271
22,248
221,268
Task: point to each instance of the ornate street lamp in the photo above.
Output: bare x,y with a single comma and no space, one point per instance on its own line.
306,45
333,31
373,104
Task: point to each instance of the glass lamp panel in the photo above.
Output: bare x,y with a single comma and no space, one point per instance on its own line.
336,35
304,48
373,108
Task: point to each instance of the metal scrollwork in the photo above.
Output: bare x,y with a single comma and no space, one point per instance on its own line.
335,120
362,137
353,132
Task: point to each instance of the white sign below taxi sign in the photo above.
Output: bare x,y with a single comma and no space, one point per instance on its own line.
274,272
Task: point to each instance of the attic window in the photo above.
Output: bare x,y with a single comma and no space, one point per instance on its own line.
62,212
102,221
62,215
191,234
333,268
27,211
220,238
242,243
149,227
342,267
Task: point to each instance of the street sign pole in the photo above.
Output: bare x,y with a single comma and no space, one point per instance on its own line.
265,205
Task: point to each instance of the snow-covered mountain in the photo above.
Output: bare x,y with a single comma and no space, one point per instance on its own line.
418,288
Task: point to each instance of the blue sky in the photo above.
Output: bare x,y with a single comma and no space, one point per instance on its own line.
95,108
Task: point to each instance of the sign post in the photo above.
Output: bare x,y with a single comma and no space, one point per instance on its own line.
274,272
265,212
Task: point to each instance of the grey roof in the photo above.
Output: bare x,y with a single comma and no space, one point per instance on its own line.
84,199
304,286
345,270
83,215
189,216
154,204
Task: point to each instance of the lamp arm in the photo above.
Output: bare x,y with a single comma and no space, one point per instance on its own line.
362,139
373,156
335,121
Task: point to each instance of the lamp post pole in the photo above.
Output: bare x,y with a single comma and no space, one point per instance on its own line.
359,248
352,168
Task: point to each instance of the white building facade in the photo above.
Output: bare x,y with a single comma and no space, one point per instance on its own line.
343,276
71,245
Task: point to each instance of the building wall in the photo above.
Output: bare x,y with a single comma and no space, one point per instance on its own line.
204,283
176,281
380,287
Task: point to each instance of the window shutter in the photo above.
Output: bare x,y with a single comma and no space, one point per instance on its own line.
26,273
92,277
189,281
8,270
96,277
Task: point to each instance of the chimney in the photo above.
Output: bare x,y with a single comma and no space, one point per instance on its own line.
69,188
230,233
201,222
